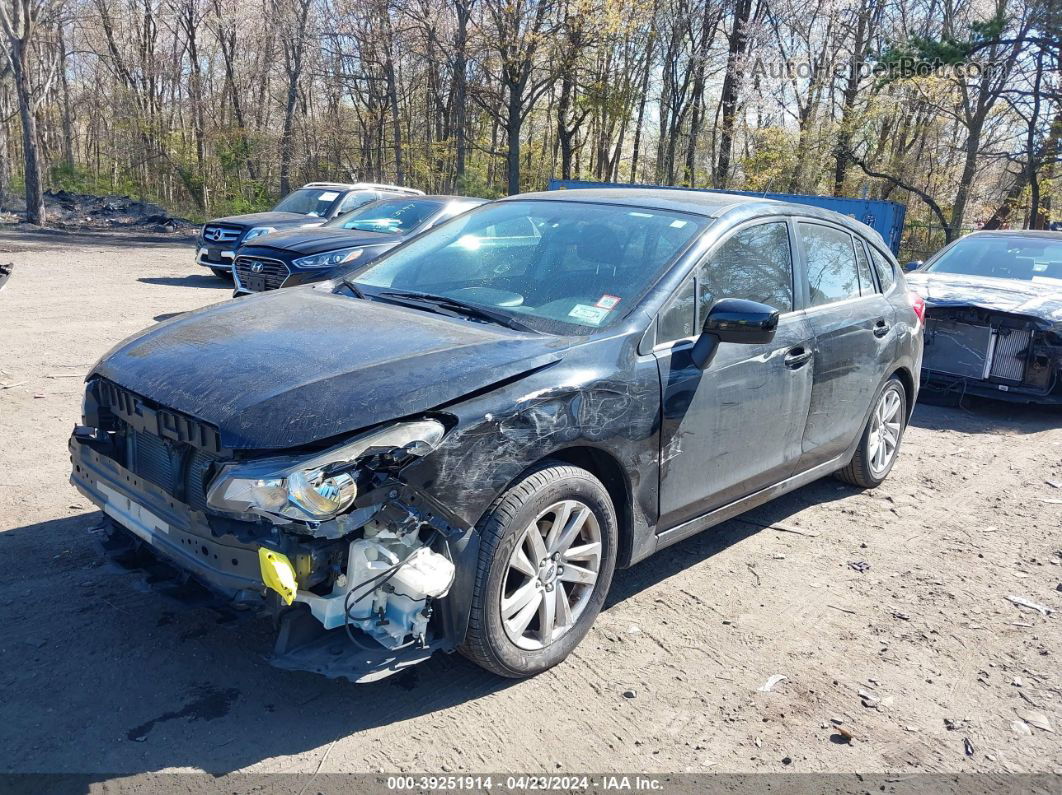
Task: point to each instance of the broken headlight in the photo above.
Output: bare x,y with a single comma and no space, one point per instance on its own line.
318,487
329,259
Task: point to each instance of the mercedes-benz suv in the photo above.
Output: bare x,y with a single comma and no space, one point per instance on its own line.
311,205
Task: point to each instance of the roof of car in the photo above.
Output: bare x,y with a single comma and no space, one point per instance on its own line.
374,186
706,203
1041,233
710,204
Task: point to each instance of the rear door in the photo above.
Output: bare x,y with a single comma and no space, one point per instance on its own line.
734,427
854,339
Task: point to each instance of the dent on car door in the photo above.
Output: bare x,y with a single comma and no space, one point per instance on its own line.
854,338
736,426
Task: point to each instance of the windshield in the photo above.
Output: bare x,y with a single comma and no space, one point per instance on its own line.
559,266
308,201
1029,258
394,216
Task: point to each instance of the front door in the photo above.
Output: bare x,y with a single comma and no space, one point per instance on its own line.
736,426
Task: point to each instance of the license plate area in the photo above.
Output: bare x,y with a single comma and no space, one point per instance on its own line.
255,284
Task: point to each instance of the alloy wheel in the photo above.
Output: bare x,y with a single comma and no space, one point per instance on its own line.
885,427
551,574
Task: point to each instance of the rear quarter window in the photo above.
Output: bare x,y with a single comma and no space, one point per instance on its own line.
885,269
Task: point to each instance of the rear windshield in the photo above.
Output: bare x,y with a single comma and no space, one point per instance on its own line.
308,201
392,216
1030,259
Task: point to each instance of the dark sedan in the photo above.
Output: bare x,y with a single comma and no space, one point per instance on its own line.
301,256
311,205
994,317
455,448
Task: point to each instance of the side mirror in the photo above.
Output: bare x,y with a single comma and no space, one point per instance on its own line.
913,266
734,320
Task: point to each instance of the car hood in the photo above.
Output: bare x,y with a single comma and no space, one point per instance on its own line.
314,240
291,367
1013,296
267,219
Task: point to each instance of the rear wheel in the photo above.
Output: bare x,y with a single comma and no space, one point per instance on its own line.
547,555
223,273
880,443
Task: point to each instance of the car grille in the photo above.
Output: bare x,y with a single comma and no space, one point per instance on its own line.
1011,350
273,271
221,234
155,420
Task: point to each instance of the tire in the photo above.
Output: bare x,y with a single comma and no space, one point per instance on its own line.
865,469
534,505
224,274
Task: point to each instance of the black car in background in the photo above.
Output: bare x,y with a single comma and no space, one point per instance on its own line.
310,205
994,317
454,448
298,256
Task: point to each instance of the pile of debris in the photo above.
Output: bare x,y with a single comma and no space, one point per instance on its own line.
66,210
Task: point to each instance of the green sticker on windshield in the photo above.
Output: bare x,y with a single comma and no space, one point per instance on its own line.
588,314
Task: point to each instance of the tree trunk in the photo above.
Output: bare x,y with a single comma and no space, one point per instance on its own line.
460,83
30,141
737,43
513,123
293,47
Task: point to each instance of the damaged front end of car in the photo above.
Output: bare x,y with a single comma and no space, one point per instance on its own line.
980,350
353,564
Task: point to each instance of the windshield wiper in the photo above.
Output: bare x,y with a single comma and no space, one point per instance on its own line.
455,306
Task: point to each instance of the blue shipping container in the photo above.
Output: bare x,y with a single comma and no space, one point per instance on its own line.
885,217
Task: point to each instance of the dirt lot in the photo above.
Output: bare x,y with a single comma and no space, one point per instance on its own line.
97,675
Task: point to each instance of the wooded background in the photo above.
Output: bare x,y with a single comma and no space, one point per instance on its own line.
217,106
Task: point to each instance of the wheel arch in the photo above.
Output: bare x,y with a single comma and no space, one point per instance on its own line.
907,379
606,468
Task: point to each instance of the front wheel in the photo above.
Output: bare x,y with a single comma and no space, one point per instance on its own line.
880,443
547,555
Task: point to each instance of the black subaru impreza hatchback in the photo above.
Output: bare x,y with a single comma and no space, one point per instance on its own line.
455,448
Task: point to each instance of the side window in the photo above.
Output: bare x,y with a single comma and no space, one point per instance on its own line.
356,199
866,280
679,317
886,275
832,272
755,264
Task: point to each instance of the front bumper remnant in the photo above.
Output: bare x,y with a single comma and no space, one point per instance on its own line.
178,552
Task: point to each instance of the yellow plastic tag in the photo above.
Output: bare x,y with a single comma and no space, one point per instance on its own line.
278,573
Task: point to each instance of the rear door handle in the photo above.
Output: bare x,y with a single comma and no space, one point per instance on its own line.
797,357
881,328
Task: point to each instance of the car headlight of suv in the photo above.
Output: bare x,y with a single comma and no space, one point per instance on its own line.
318,487
330,259
258,231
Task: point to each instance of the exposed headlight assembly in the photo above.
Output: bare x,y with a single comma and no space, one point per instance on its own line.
329,259
314,488
258,231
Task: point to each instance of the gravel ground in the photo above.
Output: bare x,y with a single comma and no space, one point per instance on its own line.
98,675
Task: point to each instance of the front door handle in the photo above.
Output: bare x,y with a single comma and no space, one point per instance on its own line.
797,357
881,328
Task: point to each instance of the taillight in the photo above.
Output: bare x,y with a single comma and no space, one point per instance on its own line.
918,304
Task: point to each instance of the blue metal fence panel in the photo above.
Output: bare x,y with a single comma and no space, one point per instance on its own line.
885,217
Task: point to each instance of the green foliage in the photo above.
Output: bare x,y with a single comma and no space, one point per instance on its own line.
62,176
772,160
919,55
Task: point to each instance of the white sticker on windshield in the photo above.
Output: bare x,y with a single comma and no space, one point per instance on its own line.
327,196
677,224
588,314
